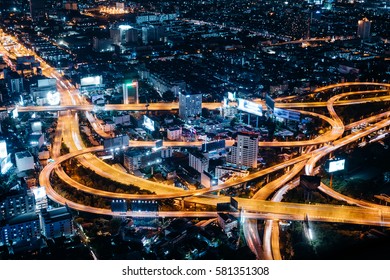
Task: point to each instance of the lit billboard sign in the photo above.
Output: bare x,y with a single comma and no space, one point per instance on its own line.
287,114
5,164
335,165
159,144
39,193
249,107
3,149
231,96
91,81
148,123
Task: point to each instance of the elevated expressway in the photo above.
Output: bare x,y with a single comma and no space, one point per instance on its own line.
337,129
252,209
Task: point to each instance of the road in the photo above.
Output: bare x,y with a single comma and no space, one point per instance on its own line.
258,207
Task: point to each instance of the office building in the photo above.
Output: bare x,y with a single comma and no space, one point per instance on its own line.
364,29
57,222
16,205
174,133
244,152
130,92
190,105
137,159
198,161
19,229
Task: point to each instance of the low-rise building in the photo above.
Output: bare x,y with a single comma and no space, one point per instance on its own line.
57,222
174,133
24,161
227,222
19,229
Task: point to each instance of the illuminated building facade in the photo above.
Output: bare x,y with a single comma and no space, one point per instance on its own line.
244,152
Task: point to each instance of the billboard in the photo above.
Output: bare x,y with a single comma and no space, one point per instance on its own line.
269,102
333,165
310,182
91,81
287,114
249,107
148,123
159,144
3,149
5,164
231,96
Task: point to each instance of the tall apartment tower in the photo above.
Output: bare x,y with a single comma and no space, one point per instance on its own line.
244,152
364,29
190,105
37,9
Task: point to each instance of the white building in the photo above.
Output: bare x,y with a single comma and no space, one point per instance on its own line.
190,105
245,151
24,161
174,133
199,162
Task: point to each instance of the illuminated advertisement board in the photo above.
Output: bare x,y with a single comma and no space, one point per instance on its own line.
148,123
249,107
335,165
5,164
39,193
91,81
287,114
3,149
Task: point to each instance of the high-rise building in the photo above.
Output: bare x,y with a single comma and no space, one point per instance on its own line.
244,152
130,92
190,105
57,222
364,29
37,9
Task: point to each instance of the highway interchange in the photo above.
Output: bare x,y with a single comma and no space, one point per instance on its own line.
265,204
